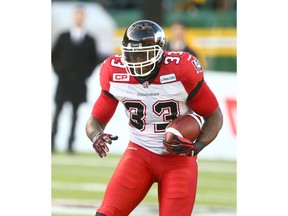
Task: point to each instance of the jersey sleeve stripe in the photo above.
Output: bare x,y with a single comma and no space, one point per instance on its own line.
195,90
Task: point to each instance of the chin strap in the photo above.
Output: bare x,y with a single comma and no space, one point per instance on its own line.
145,81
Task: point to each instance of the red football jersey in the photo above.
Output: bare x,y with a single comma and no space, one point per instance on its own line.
151,106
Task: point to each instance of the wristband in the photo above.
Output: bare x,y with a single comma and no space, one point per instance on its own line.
198,147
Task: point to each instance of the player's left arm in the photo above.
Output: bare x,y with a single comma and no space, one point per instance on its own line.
202,101
205,104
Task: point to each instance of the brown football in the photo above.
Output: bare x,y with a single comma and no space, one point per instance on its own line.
187,126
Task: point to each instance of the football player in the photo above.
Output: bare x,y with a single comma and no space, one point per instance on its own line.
155,86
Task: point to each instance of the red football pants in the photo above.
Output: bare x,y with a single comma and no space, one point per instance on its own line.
134,175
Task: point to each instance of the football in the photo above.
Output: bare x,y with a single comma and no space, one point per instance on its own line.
187,126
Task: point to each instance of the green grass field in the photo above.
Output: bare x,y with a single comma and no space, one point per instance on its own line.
82,178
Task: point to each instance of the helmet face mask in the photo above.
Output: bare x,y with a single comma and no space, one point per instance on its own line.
141,61
142,48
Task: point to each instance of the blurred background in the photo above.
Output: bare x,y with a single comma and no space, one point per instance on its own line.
211,32
211,24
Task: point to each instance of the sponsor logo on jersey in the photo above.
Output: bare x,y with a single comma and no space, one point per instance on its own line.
197,65
121,77
152,94
167,78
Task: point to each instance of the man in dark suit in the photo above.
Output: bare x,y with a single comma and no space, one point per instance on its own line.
74,58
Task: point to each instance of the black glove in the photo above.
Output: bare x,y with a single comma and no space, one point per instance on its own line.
184,145
100,143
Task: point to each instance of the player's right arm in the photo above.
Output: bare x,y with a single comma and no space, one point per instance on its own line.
103,110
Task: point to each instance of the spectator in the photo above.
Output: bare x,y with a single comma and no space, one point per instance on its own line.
74,58
177,41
